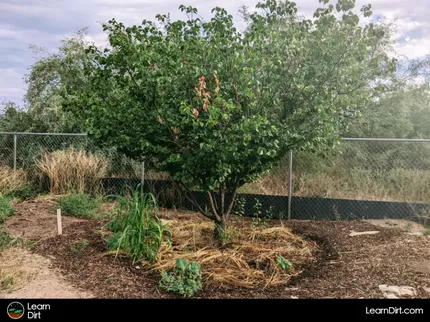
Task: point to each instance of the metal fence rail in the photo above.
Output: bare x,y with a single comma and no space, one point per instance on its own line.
372,177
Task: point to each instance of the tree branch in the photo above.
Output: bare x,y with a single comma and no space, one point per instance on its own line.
230,203
213,210
193,201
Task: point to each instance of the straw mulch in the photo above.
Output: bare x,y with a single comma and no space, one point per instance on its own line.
249,260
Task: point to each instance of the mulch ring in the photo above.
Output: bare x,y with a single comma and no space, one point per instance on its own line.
345,267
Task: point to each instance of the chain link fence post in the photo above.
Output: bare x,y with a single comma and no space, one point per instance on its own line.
290,183
14,152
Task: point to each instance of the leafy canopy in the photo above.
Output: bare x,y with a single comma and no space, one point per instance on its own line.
217,108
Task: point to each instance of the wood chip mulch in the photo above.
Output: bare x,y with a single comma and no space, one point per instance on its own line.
346,267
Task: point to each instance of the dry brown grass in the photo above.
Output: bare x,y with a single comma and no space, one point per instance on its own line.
355,183
12,180
249,261
72,171
13,272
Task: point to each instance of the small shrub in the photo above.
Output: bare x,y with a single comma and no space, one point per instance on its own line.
284,263
72,171
24,193
6,209
186,280
79,205
137,228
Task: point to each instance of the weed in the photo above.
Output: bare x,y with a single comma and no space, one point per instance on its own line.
79,249
239,208
259,218
426,232
136,226
6,209
228,234
6,281
185,280
284,263
79,205
7,241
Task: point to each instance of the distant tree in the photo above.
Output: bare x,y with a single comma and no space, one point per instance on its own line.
217,108
48,79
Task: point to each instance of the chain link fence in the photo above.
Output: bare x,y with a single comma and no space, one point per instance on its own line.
370,178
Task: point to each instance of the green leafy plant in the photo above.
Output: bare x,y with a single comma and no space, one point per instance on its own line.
80,247
284,263
136,226
79,205
185,280
260,218
6,209
239,207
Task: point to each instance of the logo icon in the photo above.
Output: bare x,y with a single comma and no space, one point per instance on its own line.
15,310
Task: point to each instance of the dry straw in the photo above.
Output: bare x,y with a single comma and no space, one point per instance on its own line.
72,171
250,261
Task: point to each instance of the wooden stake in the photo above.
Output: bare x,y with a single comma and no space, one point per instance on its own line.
59,225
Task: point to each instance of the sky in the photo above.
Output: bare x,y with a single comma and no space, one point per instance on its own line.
45,22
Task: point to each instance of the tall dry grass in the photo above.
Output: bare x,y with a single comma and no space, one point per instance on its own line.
72,171
398,184
11,180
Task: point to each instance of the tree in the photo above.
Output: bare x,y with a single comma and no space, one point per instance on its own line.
216,108
52,75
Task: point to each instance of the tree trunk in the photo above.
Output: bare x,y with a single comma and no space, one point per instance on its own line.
219,230
220,206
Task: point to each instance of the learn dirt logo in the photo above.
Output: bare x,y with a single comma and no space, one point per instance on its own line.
15,310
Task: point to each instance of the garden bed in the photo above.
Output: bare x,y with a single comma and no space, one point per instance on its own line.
336,264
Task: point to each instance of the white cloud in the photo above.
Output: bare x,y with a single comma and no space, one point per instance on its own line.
414,48
45,23
11,85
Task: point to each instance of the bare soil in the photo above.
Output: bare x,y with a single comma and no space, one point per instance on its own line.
345,266
36,219
32,276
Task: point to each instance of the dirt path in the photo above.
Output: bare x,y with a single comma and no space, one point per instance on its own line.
28,275
24,274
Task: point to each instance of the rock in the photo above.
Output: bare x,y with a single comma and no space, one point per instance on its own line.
355,233
294,297
397,290
137,267
426,289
